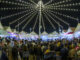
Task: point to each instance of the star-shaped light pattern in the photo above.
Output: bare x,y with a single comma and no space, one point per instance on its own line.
20,13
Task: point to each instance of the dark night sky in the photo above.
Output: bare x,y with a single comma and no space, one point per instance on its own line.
73,23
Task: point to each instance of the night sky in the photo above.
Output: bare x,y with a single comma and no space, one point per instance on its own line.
49,28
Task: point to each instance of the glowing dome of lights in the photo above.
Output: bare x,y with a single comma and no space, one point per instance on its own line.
40,3
24,14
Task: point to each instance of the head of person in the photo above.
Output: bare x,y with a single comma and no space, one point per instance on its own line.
15,42
0,49
0,43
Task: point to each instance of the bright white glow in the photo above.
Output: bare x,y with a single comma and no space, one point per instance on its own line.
40,3
44,37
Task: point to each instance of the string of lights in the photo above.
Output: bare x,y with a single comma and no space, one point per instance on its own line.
48,2
14,21
68,5
64,9
59,3
59,25
64,15
55,20
29,21
60,19
32,2
14,3
9,16
49,21
49,14
25,19
35,22
40,11
43,24
16,8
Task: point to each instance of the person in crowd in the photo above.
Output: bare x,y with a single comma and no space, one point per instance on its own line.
62,49
72,52
15,51
39,52
64,53
78,51
21,49
3,55
9,49
47,54
25,53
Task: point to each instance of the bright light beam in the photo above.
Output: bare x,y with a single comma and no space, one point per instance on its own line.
24,2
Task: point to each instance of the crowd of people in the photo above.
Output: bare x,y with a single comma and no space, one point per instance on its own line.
11,49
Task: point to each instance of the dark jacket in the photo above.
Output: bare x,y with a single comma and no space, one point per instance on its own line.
4,56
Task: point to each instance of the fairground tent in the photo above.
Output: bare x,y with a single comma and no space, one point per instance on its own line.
1,27
22,35
77,28
34,36
9,29
69,30
77,31
44,33
3,33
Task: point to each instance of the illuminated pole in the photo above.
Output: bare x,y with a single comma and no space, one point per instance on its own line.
18,29
40,16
